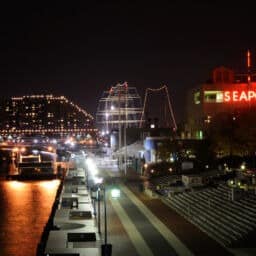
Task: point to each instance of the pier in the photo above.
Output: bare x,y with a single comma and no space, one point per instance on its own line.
72,227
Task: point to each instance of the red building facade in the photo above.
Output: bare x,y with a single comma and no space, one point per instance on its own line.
225,92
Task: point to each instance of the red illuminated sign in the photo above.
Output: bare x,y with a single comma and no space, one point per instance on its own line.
239,96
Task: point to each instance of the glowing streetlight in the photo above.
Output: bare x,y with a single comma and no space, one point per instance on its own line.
115,193
242,166
97,180
22,150
92,168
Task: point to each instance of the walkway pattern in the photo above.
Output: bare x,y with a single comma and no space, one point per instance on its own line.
173,241
173,235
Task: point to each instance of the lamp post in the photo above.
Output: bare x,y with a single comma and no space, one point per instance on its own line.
106,249
119,129
105,215
99,223
125,135
94,194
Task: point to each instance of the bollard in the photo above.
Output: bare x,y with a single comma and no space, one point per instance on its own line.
106,249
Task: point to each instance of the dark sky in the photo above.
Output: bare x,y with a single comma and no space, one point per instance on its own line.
81,50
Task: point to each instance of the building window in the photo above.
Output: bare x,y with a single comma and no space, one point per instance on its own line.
196,99
213,96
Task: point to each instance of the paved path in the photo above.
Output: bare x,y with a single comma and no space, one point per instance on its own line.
170,243
155,229
146,232
134,235
145,238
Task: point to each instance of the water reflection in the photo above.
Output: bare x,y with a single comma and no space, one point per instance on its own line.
25,208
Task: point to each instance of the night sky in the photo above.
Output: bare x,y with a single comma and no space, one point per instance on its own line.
80,50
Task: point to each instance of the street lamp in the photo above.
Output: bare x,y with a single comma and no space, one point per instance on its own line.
115,193
106,249
94,195
98,197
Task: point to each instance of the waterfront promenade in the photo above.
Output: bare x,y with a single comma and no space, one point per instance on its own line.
137,224
130,230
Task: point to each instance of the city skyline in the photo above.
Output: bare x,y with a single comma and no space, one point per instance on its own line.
80,51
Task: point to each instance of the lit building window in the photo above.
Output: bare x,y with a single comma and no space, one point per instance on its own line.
197,98
213,96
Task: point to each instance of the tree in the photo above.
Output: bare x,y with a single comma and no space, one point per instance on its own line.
164,150
234,134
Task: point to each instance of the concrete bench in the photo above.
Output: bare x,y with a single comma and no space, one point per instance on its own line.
81,237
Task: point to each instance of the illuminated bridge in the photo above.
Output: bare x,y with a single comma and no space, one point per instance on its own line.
44,115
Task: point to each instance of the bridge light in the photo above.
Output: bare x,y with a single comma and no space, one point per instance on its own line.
50,148
15,149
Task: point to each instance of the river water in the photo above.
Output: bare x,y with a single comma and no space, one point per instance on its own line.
24,210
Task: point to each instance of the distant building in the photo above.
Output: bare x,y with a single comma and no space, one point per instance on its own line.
43,114
225,92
